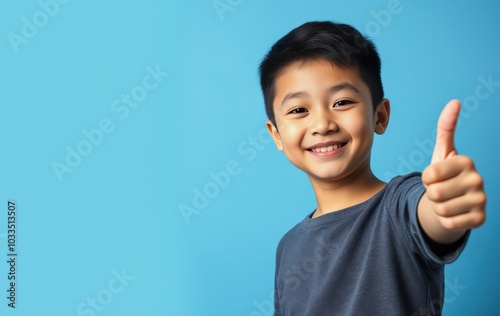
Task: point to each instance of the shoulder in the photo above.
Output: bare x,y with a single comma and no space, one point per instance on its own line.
407,179
400,199
289,237
405,185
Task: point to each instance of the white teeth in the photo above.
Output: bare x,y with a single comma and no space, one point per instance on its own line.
325,149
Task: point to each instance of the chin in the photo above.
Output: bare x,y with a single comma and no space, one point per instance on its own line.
326,176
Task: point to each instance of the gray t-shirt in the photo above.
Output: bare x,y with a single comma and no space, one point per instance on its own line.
368,259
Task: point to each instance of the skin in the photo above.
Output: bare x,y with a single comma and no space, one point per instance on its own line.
320,104
455,200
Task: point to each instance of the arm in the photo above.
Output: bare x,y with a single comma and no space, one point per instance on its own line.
454,201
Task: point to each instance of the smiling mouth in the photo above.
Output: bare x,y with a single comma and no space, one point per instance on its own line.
327,148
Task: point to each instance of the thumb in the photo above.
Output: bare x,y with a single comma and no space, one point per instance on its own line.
447,122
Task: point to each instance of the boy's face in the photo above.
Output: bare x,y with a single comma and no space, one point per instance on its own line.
325,120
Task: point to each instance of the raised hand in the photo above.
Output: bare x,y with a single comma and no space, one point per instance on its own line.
455,200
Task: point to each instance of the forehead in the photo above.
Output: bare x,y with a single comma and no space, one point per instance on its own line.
297,72
315,76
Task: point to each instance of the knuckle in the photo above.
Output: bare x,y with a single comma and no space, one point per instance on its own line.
448,223
440,209
434,193
479,219
467,162
476,180
481,199
426,175
430,174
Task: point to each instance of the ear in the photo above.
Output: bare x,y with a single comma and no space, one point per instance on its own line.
382,114
274,134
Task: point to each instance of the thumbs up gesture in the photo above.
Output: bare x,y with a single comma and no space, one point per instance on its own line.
454,201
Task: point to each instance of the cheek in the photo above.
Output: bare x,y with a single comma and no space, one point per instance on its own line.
291,135
361,132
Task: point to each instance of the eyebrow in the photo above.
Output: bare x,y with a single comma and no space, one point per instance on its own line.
333,89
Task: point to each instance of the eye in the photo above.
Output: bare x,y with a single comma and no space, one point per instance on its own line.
297,111
342,103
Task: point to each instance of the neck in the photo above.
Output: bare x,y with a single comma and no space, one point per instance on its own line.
336,195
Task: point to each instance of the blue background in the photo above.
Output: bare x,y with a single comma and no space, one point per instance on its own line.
119,209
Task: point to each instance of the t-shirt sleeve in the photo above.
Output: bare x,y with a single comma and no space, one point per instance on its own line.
403,197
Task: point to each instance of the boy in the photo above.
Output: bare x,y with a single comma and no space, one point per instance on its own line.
369,247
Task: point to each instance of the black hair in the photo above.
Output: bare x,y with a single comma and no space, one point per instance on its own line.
340,44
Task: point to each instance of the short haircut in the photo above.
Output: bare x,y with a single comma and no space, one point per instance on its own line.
340,44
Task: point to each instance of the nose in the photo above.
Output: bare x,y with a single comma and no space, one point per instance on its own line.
322,123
